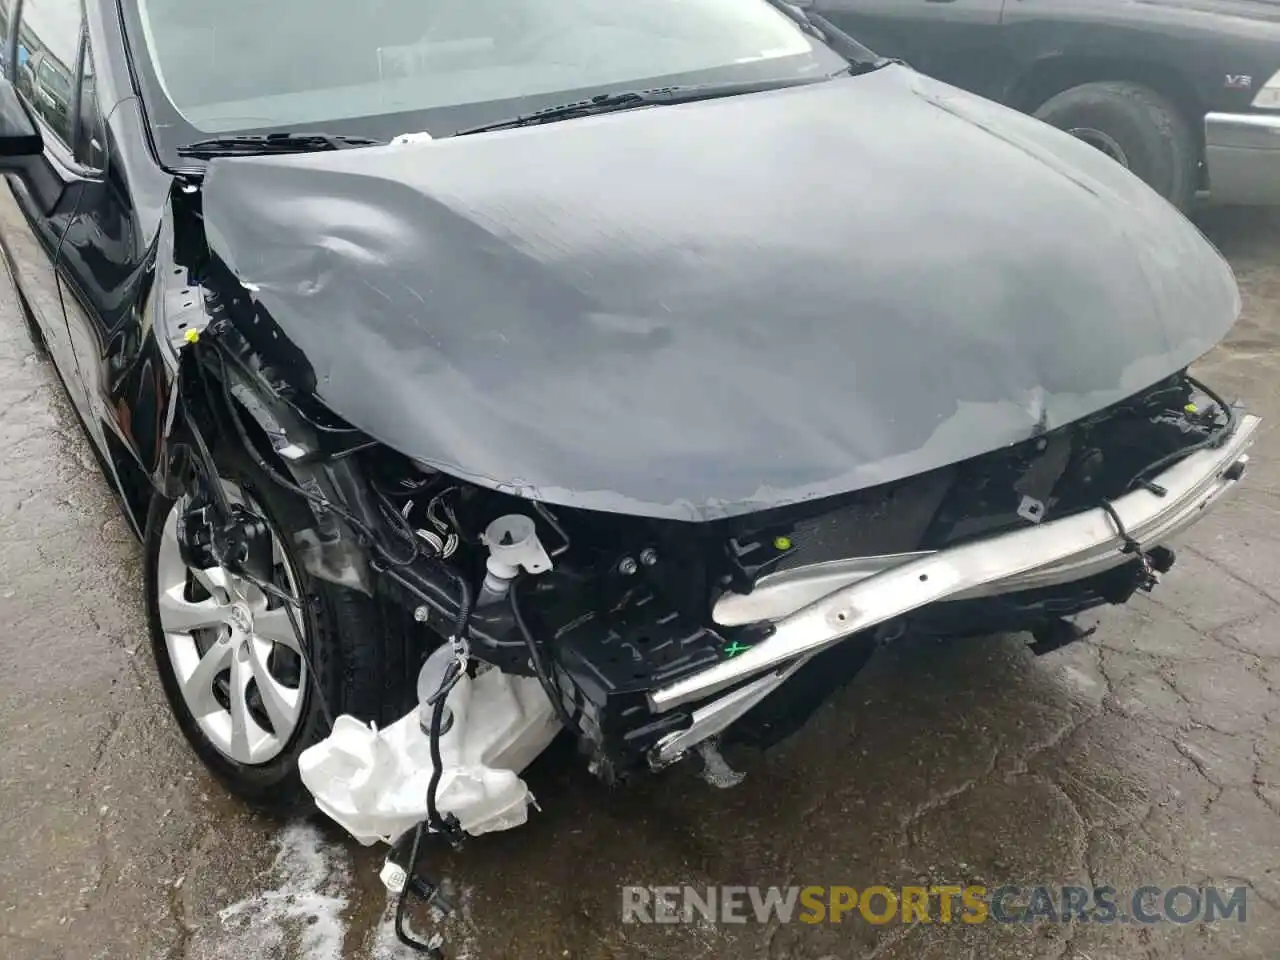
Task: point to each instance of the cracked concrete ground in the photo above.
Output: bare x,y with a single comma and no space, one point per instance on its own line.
1148,754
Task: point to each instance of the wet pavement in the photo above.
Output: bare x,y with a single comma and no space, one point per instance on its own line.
1149,754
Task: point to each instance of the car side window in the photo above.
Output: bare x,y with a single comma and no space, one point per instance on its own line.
48,38
6,39
90,138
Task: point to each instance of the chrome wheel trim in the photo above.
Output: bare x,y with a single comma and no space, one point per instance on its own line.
1102,141
223,647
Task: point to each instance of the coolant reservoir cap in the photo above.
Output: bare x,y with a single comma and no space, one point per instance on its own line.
513,540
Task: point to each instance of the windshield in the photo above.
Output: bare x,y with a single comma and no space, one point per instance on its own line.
384,67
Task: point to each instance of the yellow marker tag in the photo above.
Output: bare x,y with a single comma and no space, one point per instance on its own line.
191,336
1191,408
782,543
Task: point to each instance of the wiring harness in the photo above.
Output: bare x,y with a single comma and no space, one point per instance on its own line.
388,558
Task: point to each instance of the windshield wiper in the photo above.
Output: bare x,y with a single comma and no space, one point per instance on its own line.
629,99
250,145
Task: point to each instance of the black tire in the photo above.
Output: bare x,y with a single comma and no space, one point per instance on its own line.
365,664
1151,133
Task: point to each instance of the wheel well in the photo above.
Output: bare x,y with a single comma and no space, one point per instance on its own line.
1053,75
228,426
214,422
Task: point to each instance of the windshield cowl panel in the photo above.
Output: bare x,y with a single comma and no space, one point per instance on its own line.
403,65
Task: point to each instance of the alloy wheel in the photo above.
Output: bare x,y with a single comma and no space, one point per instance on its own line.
235,654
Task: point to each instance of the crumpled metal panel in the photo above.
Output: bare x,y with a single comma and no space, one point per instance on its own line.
702,310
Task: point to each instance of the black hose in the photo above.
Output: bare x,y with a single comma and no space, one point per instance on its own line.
402,933
438,699
1130,545
206,458
447,825
466,602
452,673
539,667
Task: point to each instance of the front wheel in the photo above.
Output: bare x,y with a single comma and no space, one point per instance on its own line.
1135,126
231,659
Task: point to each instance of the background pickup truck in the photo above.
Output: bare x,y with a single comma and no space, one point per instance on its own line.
1186,93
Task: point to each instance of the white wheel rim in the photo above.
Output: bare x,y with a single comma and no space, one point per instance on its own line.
225,650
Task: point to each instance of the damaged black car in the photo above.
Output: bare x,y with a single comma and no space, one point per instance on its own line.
479,370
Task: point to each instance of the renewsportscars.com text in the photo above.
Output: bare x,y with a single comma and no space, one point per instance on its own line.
933,904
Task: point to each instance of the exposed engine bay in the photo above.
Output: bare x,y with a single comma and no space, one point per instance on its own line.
484,391
501,468
648,638
573,618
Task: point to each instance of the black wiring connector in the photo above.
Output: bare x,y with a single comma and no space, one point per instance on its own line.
447,825
1131,546
1214,440
429,949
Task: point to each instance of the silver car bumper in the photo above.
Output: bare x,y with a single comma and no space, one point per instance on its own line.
1242,152
1057,551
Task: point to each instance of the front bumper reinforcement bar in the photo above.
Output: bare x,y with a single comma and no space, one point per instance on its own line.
1057,551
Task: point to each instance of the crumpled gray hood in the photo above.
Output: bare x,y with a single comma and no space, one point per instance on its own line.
1262,10
697,311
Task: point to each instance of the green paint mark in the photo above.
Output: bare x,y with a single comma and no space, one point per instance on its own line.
735,648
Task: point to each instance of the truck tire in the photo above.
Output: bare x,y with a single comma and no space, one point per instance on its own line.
1137,127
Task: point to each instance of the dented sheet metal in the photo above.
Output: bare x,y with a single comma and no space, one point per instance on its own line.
696,311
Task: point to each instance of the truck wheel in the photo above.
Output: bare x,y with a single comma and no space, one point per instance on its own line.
231,663
1135,126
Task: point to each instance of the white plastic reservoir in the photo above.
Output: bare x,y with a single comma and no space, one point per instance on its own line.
374,782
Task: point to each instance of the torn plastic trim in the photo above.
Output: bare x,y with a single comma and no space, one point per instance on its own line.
1059,551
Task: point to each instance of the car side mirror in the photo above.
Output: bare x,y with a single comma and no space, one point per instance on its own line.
20,138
